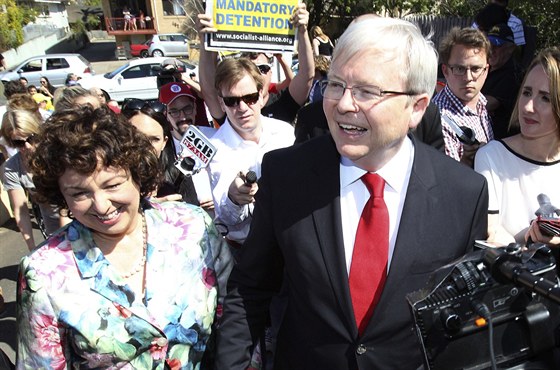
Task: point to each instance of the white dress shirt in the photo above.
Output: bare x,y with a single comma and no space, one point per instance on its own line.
234,155
354,195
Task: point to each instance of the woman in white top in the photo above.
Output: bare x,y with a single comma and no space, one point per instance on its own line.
522,167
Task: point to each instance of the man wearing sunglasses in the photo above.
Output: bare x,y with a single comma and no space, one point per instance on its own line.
464,61
290,100
241,142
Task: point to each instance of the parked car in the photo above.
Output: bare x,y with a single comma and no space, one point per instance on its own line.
55,67
135,79
169,44
140,50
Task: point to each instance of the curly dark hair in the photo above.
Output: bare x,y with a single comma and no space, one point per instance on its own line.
83,139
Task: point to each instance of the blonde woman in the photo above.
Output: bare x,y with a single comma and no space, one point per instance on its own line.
322,44
20,129
521,167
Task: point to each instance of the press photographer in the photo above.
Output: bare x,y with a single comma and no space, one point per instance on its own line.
174,70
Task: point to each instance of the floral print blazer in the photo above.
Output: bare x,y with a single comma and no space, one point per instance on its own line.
75,311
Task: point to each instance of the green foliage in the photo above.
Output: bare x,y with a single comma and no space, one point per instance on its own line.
92,3
11,24
543,15
335,15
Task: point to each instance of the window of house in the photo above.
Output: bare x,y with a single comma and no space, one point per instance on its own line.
173,7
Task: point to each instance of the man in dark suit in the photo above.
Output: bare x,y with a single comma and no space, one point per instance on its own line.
307,216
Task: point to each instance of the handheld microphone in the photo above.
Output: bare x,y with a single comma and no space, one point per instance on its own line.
250,178
196,146
464,134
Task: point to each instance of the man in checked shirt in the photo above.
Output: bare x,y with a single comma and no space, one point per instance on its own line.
464,61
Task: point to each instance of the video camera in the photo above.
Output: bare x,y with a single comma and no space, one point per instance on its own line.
170,70
490,291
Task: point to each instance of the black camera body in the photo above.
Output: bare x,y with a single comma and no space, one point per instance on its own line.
170,71
447,318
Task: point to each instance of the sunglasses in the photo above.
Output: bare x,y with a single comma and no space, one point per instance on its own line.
264,68
132,104
233,101
18,143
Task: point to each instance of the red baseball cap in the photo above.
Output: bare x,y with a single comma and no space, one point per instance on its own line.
173,90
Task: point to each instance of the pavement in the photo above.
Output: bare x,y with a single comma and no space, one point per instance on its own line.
101,54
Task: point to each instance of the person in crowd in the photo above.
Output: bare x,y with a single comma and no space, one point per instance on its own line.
20,102
489,16
44,102
13,87
521,167
127,17
180,75
180,101
128,283
322,66
290,100
142,20
240,144
503,81
463,55
46,87
23,81
71,79
104,99
67,98
149,118
322,44
308,206
20,129
31,89
513,22
277,87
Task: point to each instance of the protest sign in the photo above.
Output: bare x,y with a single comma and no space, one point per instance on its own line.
251,25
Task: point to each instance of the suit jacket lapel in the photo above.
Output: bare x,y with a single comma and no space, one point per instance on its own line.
419,203
328,226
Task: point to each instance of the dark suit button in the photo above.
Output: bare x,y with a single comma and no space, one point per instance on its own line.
361,349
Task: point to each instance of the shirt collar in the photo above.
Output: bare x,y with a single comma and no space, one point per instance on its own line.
395,172
458,104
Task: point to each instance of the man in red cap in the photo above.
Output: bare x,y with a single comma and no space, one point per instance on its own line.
180,100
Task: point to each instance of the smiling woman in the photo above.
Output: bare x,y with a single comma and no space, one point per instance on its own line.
129,282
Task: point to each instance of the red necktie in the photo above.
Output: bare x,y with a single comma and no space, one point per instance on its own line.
368,269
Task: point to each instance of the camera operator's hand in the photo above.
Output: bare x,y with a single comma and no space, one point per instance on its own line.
469,152
241,193
537,236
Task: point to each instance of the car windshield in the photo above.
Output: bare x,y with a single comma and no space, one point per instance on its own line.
116,71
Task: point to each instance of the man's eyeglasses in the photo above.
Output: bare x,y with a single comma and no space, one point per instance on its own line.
264,68
476,71
233,101
186,110
363,94
132,104
19,143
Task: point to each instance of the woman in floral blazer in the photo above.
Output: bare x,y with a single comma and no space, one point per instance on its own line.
128,284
